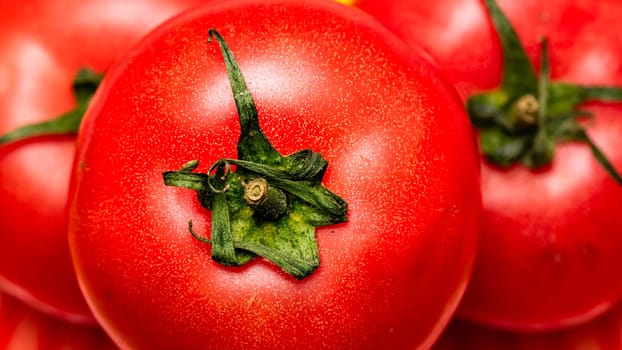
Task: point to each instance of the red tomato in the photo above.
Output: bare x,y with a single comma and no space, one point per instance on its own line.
23,328
43,44
550,247
603,333
325,77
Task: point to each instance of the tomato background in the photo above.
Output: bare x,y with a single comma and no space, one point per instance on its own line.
42,45
550,244
325,77
603,333
23,328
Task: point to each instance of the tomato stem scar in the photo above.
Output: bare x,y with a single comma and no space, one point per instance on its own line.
270,205
524,119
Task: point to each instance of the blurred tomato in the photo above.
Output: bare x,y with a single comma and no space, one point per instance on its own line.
550,249
23,328
43,44
604,333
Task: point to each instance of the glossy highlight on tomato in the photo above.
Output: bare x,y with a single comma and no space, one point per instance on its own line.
324,77
43,45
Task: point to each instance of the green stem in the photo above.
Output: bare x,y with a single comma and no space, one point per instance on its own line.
543,147
270,205
222,238
506,133
296,267
600,156
251,137
518,73
193,181
84,86
601,93
67,123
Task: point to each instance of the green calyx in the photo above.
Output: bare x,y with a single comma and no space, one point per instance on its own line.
85,83
270,205
524,119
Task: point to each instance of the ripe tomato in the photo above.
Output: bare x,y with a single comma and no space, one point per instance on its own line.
322,76
23,328
43,45
603,333
550,248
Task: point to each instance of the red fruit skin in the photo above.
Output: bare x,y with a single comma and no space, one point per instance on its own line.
325,77
550,243
43,44
602,333
23,328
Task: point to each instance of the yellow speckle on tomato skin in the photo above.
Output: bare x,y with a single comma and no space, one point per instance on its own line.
346,2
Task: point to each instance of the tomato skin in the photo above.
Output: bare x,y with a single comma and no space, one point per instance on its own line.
23,328
579,52
43,44
401,261
549,250
447,30
603,333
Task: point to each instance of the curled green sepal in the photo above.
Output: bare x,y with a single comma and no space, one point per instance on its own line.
297,267
524,119
290,187
84,86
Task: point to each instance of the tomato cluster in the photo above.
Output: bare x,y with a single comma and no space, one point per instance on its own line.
549,248
281,174
44,44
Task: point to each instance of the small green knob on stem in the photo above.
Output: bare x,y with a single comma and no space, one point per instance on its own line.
269,203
